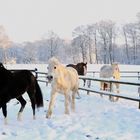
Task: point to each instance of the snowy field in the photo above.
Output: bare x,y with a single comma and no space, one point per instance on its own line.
95,118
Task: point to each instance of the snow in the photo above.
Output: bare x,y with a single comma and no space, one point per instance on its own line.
95,118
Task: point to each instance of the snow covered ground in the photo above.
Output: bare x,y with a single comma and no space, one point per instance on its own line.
95,118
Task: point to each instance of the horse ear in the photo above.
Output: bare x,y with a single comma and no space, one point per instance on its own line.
1,65
86,63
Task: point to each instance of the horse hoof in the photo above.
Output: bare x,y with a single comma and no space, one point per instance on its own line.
19,119
78,97
67,112
34,117
3,133
5,121
48,117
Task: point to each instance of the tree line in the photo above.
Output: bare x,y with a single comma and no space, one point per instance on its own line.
101,42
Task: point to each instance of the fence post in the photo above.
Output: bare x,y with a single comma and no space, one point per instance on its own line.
138,75
110,86
139,95
36,74
110,83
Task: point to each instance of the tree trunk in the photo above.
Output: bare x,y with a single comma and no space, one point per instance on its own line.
126,47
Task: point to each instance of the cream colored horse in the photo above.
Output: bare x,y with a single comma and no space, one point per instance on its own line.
63,80
112,71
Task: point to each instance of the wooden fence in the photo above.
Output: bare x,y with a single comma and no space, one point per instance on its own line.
124,74
110,93
41,77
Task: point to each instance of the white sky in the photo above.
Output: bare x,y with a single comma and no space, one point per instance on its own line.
29,20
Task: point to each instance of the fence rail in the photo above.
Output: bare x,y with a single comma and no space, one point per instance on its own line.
43,75
111,81
107,93
110,94
137,74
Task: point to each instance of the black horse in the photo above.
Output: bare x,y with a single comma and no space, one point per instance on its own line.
81,68
14,84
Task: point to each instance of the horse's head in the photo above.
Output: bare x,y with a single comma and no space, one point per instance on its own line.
115,66
1,65
116,71
82,68
53,66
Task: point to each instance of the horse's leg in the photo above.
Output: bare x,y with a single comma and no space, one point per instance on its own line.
111,89
4,111
117,87
51,104
32,98
101,87
78,95
88,85
84,82
114,99
117,90
70,98
66,103
23,103
73,102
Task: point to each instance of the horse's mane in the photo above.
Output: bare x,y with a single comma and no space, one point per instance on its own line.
54,61
79,67
72,65
4,75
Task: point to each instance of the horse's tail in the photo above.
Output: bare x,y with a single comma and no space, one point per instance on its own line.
38,95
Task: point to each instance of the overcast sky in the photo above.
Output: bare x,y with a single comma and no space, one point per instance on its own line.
29,20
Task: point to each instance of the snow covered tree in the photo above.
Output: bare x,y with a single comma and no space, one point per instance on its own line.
5,43
53,42
107,32
92,33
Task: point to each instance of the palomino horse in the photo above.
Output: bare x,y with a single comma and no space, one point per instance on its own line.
81,68
112,71
63,80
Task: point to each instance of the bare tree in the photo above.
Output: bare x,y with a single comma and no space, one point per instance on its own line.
111,34
107,32
79,47
53,42
103,35
92,33
80,40
138,37
29,53
126,44
131,31
4,43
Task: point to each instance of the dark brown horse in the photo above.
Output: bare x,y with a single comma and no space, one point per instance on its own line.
81,68
14,84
